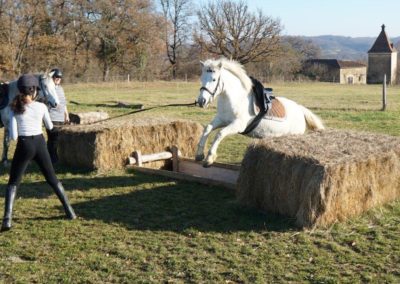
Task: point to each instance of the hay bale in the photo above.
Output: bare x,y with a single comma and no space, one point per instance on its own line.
107,145
322,177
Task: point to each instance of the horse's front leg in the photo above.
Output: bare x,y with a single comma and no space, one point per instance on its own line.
6,146
233,128
214,124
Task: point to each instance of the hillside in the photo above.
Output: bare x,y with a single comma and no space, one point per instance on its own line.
345,48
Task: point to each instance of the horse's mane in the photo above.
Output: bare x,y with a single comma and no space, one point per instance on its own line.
235,68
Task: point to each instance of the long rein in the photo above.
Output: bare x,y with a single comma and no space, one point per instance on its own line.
162,106
142,110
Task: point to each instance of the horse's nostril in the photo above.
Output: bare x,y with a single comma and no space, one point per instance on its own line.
203,102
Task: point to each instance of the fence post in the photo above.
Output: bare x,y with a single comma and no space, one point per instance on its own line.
384,93
128,78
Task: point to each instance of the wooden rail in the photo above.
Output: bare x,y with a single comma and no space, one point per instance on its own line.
187,169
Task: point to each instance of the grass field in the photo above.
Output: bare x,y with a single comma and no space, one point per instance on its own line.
135,228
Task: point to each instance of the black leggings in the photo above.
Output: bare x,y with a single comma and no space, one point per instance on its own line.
31,148
52,140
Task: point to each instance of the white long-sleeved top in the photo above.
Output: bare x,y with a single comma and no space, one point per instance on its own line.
30,122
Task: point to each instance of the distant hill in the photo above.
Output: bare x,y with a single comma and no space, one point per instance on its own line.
345,48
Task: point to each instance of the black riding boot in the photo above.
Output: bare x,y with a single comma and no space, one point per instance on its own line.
11,191
59,190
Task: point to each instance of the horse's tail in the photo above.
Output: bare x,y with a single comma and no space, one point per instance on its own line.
313,121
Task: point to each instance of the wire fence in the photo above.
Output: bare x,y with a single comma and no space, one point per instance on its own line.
127,78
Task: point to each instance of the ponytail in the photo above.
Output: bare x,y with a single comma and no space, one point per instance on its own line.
19,102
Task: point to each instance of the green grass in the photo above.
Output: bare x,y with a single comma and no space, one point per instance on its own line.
138,228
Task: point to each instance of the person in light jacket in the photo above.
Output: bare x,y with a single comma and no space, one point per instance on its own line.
26,118
58,115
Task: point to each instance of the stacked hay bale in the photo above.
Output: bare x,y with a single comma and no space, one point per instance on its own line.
322,177
107,145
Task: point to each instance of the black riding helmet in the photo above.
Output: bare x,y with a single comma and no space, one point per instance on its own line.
27,81
57,73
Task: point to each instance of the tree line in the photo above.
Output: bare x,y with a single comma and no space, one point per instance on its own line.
147,39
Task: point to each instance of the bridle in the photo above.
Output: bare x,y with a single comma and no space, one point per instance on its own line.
215,90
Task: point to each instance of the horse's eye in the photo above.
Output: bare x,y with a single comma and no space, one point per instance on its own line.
214,80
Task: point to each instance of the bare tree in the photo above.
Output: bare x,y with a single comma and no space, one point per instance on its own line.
123,29
305,48
18,21
229,29
177,29
82,37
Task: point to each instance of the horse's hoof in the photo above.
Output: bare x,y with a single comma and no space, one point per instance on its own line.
207,164
5,163
199,158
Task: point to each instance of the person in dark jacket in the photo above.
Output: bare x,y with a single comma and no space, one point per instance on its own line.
58,115
26,120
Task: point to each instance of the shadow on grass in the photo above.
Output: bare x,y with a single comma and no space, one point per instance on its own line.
178,206
115,104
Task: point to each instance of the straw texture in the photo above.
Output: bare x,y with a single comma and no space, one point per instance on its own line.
106,146
321,177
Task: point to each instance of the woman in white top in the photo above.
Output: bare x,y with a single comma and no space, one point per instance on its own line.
26,120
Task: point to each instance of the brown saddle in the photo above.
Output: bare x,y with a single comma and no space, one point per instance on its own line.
275,111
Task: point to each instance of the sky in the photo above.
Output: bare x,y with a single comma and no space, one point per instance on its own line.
354,18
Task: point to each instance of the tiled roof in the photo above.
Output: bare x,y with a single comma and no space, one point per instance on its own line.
337,63
382,43
350,64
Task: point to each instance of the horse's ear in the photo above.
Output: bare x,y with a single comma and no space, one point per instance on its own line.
220,65
201,63
46,73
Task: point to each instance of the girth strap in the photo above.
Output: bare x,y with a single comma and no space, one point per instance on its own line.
263,100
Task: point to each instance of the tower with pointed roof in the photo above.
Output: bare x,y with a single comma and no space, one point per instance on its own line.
382,59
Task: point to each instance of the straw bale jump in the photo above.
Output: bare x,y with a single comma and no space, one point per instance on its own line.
321,177
106,145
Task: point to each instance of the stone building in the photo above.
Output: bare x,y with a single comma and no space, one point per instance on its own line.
382,59
337,71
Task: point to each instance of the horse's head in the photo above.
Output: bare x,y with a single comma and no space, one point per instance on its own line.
211,85
48,89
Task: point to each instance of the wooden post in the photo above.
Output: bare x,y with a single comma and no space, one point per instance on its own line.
384,93
175,158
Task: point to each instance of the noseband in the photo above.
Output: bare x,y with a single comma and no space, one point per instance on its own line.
215,90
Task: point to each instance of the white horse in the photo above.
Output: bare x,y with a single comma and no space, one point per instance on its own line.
228,80
47,93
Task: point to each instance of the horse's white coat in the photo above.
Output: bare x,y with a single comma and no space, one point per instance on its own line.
227,80
51,95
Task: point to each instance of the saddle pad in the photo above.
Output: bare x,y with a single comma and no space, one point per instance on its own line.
276,110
